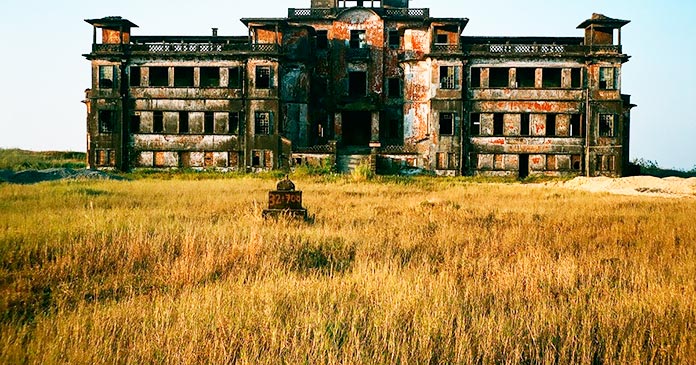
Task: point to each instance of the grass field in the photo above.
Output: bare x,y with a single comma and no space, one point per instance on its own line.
402,271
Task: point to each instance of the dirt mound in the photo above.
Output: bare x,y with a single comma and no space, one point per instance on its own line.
674,187
35,176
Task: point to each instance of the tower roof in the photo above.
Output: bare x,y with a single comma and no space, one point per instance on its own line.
604,21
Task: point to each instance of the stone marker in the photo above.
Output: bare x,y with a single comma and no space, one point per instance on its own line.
285,200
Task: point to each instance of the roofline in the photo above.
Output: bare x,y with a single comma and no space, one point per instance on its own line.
109,22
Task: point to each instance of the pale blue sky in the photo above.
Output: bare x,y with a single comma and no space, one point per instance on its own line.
44,75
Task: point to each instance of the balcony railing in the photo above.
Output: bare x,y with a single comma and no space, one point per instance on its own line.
447,48
538,49
182,48
319,13
358,53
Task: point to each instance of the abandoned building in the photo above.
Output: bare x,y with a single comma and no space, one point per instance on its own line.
345,82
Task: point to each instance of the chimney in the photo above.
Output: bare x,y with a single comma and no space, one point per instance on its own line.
215,32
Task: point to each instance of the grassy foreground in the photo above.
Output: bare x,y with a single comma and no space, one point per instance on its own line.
421,271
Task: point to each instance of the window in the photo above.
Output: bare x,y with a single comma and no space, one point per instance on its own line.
210,77
235,78
551,77
446,124
575,125
576,162
134,76
183,122
475,77
499,77
449,77
357,39
357,84
446,160
262,123
473,161
526,77
524,124
159,76
106,77
442,39
106,121
606,125
607,80
105,158
498,162
394,39
233,123
209,123
475,124
157,122
550,124
550,162
135,123
263,77
498,124
322,39
575,78
183,76
394,87
262,159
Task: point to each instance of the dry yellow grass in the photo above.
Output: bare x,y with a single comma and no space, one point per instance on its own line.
432,271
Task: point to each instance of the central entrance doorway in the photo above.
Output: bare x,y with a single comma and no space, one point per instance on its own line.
524,166
357,128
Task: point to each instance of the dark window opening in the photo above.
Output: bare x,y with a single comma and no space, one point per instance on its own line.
135,124
575,78
498,124
526,77
357,84
256,158
134,75
183,76
606,125
209,123
157,122
159,76
210,77
357,39
106,121
475,77
394,87
598,163
183,122
607,80
394,39
524,124
575,125
523,166
449,77
473,161
442,39
322,39
393,129
550,124
499,77
576,162
446,124
475,124
233,123
235,78
262,123
263,77
551,77
106,77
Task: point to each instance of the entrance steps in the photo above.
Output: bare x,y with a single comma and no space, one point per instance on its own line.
346,164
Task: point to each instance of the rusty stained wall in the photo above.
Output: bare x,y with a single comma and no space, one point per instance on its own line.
339,36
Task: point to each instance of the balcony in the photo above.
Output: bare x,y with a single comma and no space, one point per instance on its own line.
539,49
317,13
407,13
357,54
169,48
311,13
447,48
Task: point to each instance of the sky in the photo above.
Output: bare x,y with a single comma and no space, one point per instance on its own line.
44,74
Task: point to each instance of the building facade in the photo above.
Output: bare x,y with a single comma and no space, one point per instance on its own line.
343,82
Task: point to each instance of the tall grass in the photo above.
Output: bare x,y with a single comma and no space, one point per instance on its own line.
410,271
16,159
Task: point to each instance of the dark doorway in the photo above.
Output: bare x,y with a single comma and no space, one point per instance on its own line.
356,128
524,166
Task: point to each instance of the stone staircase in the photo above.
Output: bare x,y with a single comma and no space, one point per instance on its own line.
346,164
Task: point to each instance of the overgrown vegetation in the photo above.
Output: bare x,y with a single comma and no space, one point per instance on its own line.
417,270
652,168
16,159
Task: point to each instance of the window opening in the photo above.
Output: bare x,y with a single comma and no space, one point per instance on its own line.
357,83
475,124
394,87
157,122
526,77
183,122
210,77
449,77
134,76
575,125
209,123
357,39
498,124
135,123
394,39
446,124
499,77
106,121
159,76
551,77
183,76
575,78
106,77
550,124
233,123
524,124
262,123
235,78
475,77
322,39
263,77
606,125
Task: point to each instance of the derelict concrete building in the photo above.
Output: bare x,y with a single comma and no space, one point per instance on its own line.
348,81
